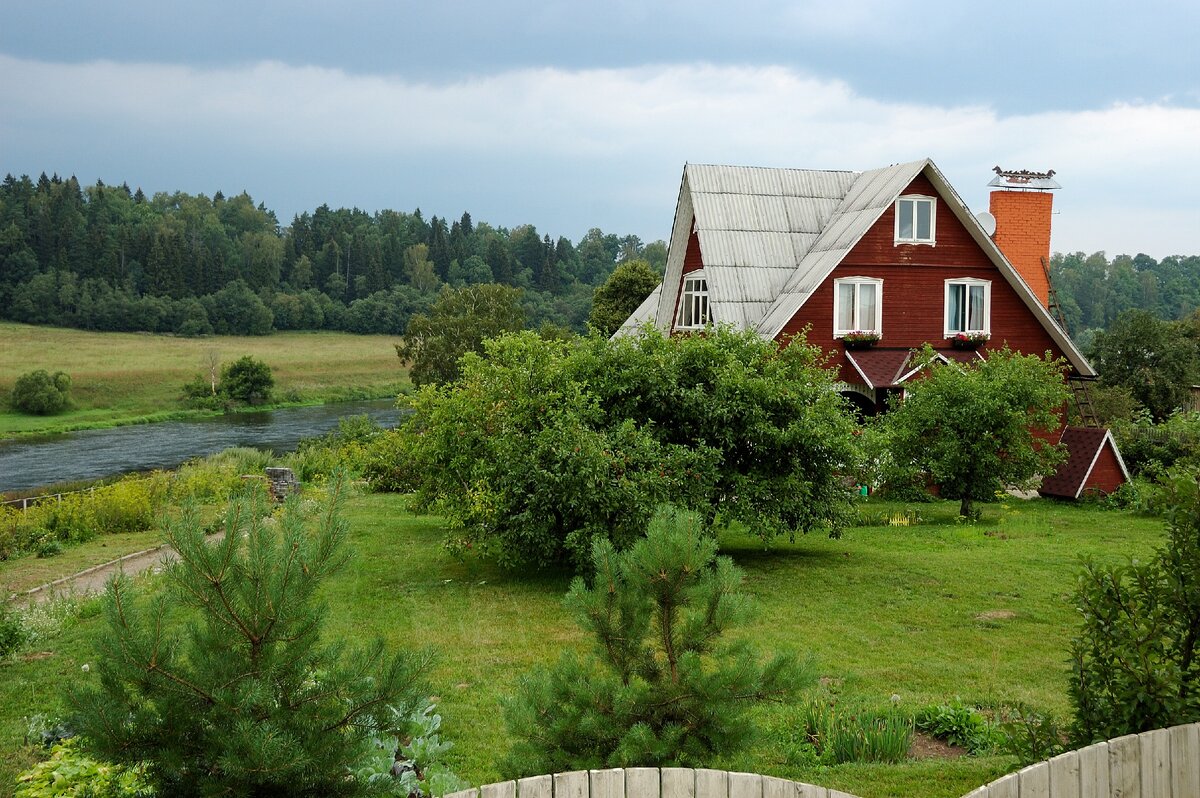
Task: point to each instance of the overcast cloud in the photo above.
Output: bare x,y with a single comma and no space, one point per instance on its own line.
567,139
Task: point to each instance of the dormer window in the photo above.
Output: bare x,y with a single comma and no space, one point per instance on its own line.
693,303
968,306
915,219
857,305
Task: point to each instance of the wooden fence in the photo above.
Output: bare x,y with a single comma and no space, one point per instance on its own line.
1157,764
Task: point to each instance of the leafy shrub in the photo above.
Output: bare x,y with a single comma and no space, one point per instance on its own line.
198,394
1136,659
1031,736
70,773
217,476
247,380
40,393
1150,449
661,687
543,446
840,737
128,505
47,548
387,466
346,448
12,632
959,724
1139,494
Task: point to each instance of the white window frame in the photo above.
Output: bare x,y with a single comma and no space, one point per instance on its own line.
917,199
876,324
987,305
697,299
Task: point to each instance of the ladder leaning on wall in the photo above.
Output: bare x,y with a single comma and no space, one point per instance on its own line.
1081,396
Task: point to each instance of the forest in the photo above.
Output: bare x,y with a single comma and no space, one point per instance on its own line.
107,258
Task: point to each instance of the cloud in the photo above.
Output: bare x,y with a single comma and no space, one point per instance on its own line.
629,130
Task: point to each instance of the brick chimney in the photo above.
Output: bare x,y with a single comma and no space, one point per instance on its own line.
1022,204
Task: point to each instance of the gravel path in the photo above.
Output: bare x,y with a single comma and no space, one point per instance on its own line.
92,580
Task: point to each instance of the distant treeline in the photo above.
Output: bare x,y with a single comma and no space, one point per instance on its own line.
107,258
1093,290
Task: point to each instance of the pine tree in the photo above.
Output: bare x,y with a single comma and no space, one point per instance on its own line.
222,682
660,688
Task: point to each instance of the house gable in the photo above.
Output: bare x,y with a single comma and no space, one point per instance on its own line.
912,295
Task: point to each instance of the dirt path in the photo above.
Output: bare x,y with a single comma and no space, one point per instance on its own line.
92,580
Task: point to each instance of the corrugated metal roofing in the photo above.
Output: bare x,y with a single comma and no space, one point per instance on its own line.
768,250
761,224
864,202
644,313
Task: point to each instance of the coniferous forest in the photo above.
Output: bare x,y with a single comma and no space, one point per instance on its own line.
106,257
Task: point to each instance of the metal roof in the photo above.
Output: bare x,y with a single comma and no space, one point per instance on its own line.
865,201
644,313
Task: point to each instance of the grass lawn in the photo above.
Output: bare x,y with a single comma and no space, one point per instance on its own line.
126,377
926,612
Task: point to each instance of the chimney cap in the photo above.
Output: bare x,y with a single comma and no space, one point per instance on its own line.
1024,179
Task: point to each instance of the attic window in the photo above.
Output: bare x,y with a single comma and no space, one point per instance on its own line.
915,220
693,303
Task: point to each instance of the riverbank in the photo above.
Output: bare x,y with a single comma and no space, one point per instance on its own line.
136,378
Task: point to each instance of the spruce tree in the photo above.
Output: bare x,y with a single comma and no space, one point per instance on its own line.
661,687
223,683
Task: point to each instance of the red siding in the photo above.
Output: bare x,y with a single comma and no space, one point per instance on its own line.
954,245
692,260
1106,475
913,293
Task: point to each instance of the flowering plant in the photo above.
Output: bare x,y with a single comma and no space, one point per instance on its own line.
969,340
860,337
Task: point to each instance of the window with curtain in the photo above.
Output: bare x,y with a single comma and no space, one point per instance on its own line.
857,305
967,306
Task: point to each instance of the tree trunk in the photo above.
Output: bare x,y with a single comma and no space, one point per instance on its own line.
965,507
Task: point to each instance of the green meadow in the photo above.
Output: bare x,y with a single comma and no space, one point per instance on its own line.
122,378
892,615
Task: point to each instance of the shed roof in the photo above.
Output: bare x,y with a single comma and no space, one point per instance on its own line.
1084,445
889,368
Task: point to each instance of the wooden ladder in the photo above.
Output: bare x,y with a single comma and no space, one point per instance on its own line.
1080,394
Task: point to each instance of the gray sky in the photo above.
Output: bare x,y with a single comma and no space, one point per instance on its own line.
570,115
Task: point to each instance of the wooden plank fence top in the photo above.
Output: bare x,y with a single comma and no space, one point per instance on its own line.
1164,763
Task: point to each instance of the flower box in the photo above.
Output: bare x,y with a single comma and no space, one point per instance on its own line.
969,340
860,339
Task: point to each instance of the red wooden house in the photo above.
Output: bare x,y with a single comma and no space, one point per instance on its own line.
891,253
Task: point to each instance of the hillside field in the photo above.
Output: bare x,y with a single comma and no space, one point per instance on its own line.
119,378
910,615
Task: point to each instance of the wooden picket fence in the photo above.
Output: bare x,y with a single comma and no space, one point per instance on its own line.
1158,764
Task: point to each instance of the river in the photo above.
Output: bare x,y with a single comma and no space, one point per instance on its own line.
27,463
